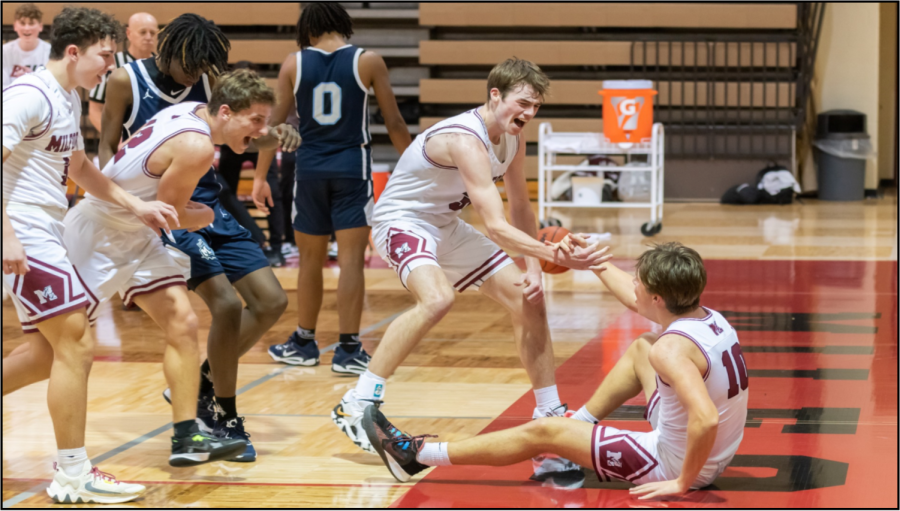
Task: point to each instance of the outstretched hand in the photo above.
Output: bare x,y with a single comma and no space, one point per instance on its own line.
534,287
156,215
658,489
574,252
288,137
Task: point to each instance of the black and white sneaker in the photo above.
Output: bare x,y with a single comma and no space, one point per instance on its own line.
348,415
397,449
206,410
200,448
350,362
553,470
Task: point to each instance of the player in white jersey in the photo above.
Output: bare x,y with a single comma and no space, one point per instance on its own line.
693,375
165,160
42,149
28,53
417,230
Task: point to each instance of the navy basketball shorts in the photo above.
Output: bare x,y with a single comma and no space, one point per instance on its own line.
225,247
324,206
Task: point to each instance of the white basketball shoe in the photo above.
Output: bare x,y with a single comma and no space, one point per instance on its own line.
91,487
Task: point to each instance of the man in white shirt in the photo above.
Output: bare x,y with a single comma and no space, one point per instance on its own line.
27,53
142,33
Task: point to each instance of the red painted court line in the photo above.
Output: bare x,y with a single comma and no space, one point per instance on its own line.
215,483
859,464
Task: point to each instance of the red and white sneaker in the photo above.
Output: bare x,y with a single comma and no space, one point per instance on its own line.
91,487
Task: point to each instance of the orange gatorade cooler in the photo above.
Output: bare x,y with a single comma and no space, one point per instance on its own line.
627,110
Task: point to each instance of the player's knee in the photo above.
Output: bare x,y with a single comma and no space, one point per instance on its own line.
76,344
183,325
272,306
542,432
438,303
226,307
641,345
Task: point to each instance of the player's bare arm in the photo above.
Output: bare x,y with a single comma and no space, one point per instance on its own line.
470,156
374,73
155,214
522,217
679,362
262,193
181,162
620,283
118,98
14,260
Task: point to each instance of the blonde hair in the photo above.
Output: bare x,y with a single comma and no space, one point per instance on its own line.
240,90
674,272
511,73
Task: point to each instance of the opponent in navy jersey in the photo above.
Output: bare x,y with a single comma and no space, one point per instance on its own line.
327,85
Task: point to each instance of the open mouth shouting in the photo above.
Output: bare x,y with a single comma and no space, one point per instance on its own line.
519,122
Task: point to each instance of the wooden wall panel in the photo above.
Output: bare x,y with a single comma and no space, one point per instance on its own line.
557,53
223,13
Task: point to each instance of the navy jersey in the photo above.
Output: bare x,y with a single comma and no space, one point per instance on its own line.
333,106
149,100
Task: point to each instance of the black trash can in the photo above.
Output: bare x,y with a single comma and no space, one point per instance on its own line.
842,148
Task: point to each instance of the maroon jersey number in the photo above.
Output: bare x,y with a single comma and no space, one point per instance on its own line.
65,179
139,138
730,369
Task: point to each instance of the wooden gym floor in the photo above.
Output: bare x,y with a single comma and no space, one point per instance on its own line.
811,288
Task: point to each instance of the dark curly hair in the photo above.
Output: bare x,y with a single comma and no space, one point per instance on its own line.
319,18
196,43
82,27
29,11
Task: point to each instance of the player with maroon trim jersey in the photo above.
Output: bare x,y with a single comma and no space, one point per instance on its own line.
693,375
417,230
42,149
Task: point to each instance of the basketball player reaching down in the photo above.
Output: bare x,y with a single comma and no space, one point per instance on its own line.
220,260
42,149
328,84
417,229
693,376
164,160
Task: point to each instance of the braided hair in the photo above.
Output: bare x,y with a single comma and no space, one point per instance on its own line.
196,43
319,18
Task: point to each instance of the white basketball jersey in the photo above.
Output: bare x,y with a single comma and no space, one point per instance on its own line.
727,384
423,189
18,62
128,168
41,128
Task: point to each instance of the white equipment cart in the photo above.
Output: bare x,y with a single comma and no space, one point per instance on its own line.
551,144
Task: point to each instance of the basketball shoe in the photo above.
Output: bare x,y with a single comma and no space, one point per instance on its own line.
350,362
200,448
91,486
348,415
206,410
552,469
234,429
398,450
295,353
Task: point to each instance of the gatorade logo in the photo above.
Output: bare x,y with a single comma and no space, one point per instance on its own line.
627,111
378,389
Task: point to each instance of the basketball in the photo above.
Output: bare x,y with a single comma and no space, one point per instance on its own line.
553,235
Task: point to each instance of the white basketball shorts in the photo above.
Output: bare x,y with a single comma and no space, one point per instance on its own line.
467,257
636,457
52,286
112,260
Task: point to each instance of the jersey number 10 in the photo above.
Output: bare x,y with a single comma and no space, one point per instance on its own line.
730,369
327,111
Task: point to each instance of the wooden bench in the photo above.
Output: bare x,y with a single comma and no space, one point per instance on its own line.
238,13
638,15
586,92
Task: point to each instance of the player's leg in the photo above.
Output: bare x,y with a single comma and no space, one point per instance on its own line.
266,302
532,333
29,363
631,374
171,309
351,209
434,297
406,456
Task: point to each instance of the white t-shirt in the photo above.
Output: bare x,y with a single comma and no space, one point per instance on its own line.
17,62
41,129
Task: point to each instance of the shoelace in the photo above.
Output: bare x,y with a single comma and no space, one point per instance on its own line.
96,472
406,439
238,426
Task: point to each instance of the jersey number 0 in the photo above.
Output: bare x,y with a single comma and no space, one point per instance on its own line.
327,111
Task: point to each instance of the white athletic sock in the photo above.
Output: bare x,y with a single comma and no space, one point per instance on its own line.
370,386
434,455
72,461
547,399
585,416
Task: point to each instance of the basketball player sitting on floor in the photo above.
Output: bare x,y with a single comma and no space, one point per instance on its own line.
165,159
693,376
417,229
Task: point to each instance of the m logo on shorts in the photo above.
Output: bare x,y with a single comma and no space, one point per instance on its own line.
206,252
614,459
45,295
402,250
